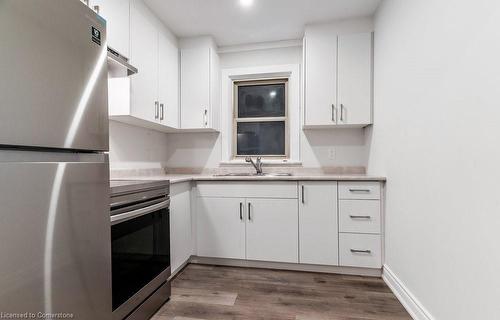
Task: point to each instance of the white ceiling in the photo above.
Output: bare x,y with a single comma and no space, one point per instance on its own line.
265,20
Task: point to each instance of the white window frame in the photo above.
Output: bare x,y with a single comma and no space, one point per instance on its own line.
237,120
292,72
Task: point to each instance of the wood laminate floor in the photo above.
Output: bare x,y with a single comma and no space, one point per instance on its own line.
203,292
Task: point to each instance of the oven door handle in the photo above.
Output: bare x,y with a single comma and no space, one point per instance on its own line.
139,212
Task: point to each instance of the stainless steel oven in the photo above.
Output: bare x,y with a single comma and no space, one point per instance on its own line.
140,247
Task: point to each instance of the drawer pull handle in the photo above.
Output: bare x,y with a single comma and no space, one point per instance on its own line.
360,217
360,251
241,211
359,190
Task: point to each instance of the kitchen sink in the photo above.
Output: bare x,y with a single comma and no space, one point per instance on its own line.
245,174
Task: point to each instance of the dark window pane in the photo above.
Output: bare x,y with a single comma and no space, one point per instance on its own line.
261,101
261,138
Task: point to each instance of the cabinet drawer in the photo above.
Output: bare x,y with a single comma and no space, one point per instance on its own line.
359,190
248,189
360,250
359,216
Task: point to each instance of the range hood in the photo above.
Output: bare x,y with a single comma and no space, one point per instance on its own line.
118,65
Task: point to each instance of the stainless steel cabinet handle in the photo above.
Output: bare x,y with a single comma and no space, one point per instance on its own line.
205,118
360,251
303,201
333,113
359,190
341,112
249,211
360,217
156,110
162,114
241,210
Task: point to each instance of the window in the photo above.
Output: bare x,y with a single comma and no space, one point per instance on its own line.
261,118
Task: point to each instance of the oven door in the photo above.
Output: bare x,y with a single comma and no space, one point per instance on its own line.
140,250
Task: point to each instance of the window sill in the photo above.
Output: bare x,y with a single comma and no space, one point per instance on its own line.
266,162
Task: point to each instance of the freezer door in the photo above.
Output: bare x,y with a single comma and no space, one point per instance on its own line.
55,237
53,81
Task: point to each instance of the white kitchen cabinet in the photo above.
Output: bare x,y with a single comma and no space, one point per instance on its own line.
355,79
320,77
199,74
290,222
181,244
248,220
116,13
149,98
221,227
272,230
144,56
361,220
338,79
248,189
359,216
360,250
168,81
360,190
318,223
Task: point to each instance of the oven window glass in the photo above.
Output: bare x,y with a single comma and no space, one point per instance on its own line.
140,252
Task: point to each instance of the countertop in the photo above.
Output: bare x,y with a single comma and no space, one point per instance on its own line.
178,178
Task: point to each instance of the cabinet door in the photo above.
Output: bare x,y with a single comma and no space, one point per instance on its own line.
195,87
144,56
318,223
181,245
355,79
220,228
321,78
117,15
168,81
215,99
272,230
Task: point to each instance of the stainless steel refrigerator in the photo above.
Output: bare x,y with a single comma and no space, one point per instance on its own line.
54,172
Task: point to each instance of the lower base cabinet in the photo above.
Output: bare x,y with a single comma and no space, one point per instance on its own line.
253,229
291,222
318,223
181,244
272,230
360,250
221,228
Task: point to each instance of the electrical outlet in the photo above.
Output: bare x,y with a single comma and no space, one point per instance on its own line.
331,153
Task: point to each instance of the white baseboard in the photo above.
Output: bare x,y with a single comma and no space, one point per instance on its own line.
407,299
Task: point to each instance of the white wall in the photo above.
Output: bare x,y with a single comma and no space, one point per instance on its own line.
257,58
133,147
194,150
436,138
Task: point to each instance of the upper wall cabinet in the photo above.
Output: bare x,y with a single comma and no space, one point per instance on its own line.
320,78
144,56
200,96
338,79
116,13
168,81
149,98
354,96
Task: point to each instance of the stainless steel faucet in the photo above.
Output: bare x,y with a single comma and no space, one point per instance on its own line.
257,164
